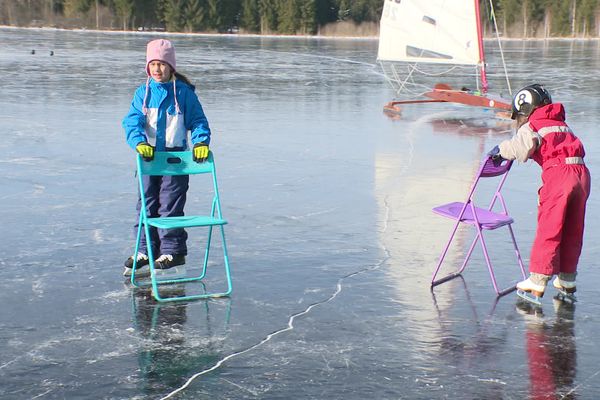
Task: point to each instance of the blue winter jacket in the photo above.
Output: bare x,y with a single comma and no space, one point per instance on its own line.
162,126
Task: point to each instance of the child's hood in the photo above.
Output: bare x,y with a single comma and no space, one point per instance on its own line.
152,85
554,111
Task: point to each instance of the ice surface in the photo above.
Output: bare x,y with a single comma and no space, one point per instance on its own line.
331,235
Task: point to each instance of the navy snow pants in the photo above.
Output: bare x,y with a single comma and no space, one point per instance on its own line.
165,197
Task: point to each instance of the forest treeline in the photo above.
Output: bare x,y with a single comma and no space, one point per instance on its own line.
516,18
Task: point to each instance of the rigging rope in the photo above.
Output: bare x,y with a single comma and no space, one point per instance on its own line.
493,15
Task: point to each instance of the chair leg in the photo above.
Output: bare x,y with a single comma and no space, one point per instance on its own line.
227,292
137,248
226,262
451,276
478,237
469,253
462,267
150,254
206,253
512,235
491,270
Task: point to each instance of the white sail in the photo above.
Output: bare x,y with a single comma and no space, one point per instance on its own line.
429,31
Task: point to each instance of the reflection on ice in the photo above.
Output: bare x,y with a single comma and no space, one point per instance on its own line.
168,353
551,351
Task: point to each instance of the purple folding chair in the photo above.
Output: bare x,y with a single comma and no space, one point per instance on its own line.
482,219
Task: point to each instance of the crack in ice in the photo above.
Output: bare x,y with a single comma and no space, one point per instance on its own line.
289,327
290,323
570,392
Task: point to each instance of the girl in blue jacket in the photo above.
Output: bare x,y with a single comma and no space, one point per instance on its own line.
162,112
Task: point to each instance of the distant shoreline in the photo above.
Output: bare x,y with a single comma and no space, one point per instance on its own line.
254,35
161,33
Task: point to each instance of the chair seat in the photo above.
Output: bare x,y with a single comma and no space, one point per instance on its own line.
185,221
488,219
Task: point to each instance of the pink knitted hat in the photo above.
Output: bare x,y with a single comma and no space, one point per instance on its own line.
161,50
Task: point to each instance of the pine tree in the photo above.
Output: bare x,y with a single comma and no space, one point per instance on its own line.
308,16
325,11
586,16
124,10
194,15
147,13
215,17
267,16
561,17
344,10
230,11
287,16
76,7
172,14
509,10
250,19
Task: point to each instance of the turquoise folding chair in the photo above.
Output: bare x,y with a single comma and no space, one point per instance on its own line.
180,163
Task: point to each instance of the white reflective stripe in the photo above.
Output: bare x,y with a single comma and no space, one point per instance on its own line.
551,129
175,132
573,160
151,123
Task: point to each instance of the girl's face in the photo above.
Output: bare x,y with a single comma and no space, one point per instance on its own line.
160,71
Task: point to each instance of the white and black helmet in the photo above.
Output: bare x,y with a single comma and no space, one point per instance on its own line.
528,99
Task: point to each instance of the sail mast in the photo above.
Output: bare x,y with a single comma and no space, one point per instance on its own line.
484,82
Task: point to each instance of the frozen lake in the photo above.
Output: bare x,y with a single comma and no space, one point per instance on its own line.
331,236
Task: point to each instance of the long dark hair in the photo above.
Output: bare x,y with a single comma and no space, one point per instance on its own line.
181,77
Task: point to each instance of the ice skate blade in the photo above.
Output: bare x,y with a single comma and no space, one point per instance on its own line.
565,297
567,291
533,299
139,273
177,272
162,275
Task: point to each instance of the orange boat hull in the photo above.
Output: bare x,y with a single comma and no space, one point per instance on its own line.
468,98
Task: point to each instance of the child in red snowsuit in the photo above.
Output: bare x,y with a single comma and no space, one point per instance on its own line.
543,136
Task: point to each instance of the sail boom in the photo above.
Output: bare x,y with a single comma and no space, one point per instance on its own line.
413,61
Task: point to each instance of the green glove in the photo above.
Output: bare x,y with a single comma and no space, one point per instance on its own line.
200,152
146,151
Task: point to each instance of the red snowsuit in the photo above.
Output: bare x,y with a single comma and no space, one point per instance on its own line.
548,140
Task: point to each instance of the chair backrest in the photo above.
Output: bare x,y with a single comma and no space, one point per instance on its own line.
178,163
175,163
488,169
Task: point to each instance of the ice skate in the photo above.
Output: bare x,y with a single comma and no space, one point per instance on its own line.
142,268
531,292
167,261
566,290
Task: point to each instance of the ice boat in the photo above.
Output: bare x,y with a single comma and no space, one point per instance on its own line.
420,39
